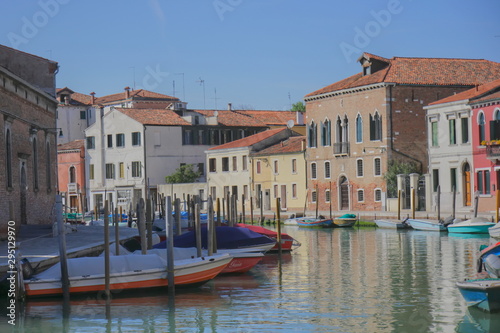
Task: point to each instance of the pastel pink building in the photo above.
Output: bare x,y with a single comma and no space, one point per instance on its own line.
485,121
71,175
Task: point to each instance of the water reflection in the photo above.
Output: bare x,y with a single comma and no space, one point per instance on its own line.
354,280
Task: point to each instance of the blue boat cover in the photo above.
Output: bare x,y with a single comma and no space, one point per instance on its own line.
227,238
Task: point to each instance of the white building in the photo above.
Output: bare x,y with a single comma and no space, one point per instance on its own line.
74,114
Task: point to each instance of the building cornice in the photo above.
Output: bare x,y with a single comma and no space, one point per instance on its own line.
348,91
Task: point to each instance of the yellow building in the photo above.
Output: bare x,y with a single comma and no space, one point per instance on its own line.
279,172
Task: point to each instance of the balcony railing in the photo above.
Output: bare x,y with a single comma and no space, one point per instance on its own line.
493,152
341,148
72,187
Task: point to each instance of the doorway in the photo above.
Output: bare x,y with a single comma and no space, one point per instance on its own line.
344,193
466,184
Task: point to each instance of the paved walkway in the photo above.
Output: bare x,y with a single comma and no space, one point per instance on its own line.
36,243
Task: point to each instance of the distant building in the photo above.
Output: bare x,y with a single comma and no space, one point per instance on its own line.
231,168
74,114
71,170
455,148
485,117
361,124
28,140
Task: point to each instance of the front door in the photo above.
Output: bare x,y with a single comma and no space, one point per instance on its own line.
344,194
283,196
467,187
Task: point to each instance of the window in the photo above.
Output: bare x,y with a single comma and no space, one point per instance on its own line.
376,167
136,138
452,130
327,170
326,133
225,164
258,167
434,130
90,142
378,195
465,129
480,182
8,157
312,135
275,190
361,195
235,163
212,165
313,170
244,162
453,179
275,163
435,179
110,141
327,196
294,165
35,164
136,169
91,171
213,192
120,140
314,196
294,191
110,171
359,168
121,170
48,167
359,128
245,192
72,174
495,126
83,114
201,169
480,122
187,138
375,127
483,182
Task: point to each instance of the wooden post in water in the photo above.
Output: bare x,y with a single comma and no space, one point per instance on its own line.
169,227
106,250
117,230
243,219
197,227
141,224
228,208
330,200
210,226
412,203
454,201
497,205
278,225
62,248
399,204
235,209
251,209
177,214
261,208
439,202
317,200
219,217
149,223
476,202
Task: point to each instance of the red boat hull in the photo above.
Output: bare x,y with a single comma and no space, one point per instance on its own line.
241,265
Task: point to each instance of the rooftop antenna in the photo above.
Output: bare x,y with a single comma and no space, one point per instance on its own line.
183,90
202,83
290,100
173,88
133,75
215,98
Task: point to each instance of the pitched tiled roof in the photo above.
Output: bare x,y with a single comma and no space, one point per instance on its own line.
250,140
294,144
270,117
232,118
471,93
76,98
140,93
494,96
421,71
154,116
73,145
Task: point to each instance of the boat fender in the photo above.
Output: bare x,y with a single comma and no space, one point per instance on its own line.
27,269
212,259
479,265
202,258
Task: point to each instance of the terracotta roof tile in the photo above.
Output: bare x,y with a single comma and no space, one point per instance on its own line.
77,144
471,93
270,117
154,116
422,71
249,140
232,118
140,93
294,144
493,96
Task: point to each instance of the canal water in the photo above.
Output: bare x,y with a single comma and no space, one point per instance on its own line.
339,280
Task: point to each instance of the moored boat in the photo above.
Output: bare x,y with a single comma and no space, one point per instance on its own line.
481,293
392,224
346,220
427,225
495,231
476,225
490,260
312,222
127,272
287,241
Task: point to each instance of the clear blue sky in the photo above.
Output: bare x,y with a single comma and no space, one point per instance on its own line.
260,54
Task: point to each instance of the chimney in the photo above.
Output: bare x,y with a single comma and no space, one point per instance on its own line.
127,92
92,99
229,107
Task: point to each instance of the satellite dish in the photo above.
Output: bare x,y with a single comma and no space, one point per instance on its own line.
290,123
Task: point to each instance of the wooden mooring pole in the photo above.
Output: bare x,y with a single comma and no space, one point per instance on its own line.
106,251
63,257
169,227
278,223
